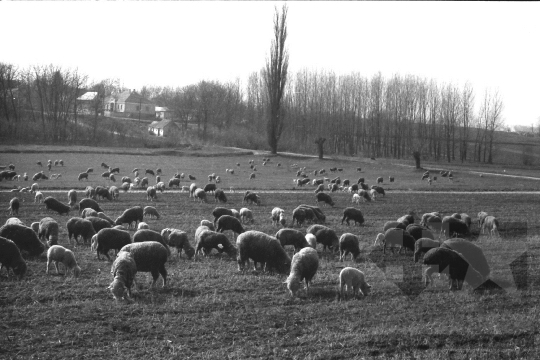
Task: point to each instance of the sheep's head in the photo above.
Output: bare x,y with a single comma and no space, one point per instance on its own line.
365,288
293,284
379,240
118,289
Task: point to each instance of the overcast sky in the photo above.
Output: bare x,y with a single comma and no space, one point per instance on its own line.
491,45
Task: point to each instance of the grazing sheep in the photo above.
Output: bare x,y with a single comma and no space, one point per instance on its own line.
191,177
246,216
151,212
418,232
105,175
11,258
24,237
99,223
354,279
89,203
83,175
304,266
378,189
90,192
72,197
89,170
144,182
292,237
252,176
55,205
442,259
206,240
454,227
278,216
356,199
88,212
391,178
114,192
179,240
319,188
325,236
192,189
142,225
432,221
123,270
423,245
490,225
105,166
252,198
200,195
227,222
323,197
471,252
80,227
174,182
393,237
149,171
150,235
379,240
318,215
14,205
48,231
380,180
373,194
220,196
149,256
125,186
210,188
394,224
219,211
56,254
298,215
262,248
108,239
466,219
481,217
103,193
351,213
151,193
349,244
133,214
112,178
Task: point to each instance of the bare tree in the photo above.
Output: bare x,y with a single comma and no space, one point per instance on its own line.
275,78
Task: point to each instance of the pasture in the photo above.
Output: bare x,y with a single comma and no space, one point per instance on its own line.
210,310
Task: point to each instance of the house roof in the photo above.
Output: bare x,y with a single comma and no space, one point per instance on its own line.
161,124
129,97
162,109
87,96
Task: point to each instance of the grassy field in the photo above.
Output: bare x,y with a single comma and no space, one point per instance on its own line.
210,310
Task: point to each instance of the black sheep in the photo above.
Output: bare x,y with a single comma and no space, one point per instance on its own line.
399,237
206,240
150,235
471,252
292,237
319,217
89,203
48,231
227,222
149,171
325,236
83,175
109,239
298,216
24,237
378,189
210,187
103,193
459,270
418,232
454,227
174,182
220,196
14,205
351,213
10,258
134,214
98,223
324,197
220,211
55,205
77,226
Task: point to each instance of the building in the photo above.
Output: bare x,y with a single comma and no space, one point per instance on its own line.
163,128
85,102
130,104
163,112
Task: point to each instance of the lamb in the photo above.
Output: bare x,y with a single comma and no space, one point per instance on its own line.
106,175
174,182
105,166
107,239
252,176
11,258
179,240
325,236
142,225
423,245
210,187
151,193
150,235
149,256
252,198
351,213
200,195
14,220
373,194
55,205
99,223
80,227
124,270
292,237
14,205
399,237
89,203
311,240
490,225
227,222
262,248
324,198
115,170
89,170
246,215
72,197
454,227
303,267
418,232
48,231
208,224
192,189
133,214
278,216
354,279
471,252
112,178
349,244
220,196
24,237
151,212
206,240
56,254
459,270
88,212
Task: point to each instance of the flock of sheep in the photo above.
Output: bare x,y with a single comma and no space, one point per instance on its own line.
148,250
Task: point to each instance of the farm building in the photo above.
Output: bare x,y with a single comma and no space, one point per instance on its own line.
85,102
163,128
129,103
163,112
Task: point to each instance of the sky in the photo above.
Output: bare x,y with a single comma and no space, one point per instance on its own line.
495,46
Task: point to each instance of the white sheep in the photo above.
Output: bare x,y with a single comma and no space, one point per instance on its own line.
34,187
353,278
312,240
356,199
490,225
379,240
304,265
57,253
373,193
124,270
278,216
246,215
142,225
39,197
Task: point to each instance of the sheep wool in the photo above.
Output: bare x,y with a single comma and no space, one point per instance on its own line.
442,259
292,237
57,253
123,270
11,258
352,278
261,248
179,240
150,235
311,240
349,244
304,266
149,256
77,226
48,231
24,237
